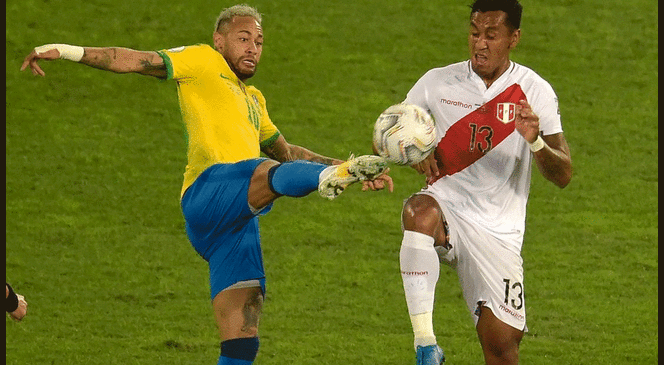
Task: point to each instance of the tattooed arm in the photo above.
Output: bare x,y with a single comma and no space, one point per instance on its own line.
115,59
283,151
123,60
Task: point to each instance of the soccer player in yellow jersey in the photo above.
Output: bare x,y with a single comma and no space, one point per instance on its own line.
226,182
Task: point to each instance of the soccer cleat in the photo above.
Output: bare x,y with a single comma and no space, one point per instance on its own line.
362,168
430,355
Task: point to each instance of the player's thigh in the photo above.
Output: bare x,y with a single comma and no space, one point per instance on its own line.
237,312
214,205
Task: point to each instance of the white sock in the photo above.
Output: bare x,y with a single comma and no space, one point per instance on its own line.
423,329
420,269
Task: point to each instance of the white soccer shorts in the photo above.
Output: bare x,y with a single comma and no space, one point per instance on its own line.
490,268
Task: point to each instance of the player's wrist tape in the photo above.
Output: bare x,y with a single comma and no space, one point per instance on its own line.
537,145
67,52
11,304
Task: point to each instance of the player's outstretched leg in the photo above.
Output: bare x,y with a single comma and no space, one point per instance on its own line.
336,178
272,179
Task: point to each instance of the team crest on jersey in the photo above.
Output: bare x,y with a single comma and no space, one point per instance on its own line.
505,112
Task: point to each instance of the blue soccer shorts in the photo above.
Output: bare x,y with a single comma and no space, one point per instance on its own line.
221,225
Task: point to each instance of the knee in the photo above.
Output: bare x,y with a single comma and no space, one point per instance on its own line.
421,213
260,194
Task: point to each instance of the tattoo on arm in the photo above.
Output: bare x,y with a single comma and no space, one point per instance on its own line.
281,155
301,153
100,58
282,151
124,60
152,69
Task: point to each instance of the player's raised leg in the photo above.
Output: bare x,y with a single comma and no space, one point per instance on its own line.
423,228
272,179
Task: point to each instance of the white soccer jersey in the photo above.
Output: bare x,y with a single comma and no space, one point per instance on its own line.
485,163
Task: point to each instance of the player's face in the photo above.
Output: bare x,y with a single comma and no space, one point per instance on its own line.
241,44
490,41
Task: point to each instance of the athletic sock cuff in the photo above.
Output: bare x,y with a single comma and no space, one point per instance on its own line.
270,176
240,348
417,240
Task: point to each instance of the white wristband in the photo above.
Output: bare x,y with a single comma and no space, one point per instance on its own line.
537,145
67,52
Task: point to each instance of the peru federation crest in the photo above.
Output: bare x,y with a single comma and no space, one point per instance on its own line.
506,112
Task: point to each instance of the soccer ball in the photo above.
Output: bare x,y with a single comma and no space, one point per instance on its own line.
404,134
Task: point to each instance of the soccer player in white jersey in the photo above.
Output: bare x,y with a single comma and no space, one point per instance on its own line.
493,117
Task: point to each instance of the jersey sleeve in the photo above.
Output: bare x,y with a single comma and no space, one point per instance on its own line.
545,105
186,62
417,94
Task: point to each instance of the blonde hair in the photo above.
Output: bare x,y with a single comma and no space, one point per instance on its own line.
237,10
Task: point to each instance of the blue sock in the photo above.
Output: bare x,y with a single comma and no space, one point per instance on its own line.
230,361
238,351
295,178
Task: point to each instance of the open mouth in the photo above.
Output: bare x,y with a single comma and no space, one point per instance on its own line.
481,58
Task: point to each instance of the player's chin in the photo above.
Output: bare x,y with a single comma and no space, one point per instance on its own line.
246,72
479,67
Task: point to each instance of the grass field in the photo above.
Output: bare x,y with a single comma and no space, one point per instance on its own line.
95,237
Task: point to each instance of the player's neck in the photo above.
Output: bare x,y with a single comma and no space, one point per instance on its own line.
490,78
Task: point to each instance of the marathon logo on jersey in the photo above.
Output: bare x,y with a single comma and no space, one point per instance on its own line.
456,103
505,112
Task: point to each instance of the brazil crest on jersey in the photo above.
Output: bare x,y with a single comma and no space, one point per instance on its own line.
226,121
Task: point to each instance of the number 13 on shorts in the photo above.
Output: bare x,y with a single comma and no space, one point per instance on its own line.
513,294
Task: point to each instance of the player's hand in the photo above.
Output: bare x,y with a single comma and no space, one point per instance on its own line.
428,167
379,183
526,122
22,309
33,57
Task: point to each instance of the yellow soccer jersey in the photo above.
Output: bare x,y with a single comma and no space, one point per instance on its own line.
226,120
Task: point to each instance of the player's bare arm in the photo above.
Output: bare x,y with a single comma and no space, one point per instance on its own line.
553,160
124,60
283,151
115,59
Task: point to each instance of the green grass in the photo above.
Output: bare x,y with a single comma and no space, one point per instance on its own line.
95,237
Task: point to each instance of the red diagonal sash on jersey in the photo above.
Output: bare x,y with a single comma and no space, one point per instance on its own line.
474,135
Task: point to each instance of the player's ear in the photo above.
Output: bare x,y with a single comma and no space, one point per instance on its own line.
218,40
515,38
